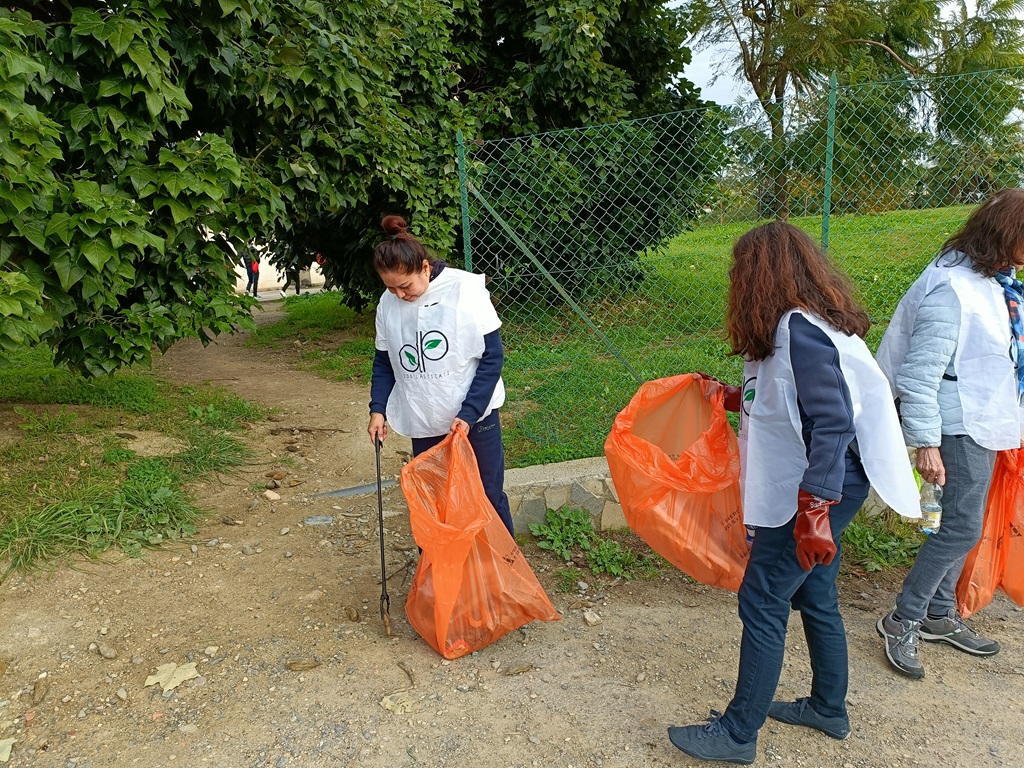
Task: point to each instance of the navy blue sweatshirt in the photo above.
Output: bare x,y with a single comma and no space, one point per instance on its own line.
480,391
826,409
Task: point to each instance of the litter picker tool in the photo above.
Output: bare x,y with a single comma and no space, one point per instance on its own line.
385,599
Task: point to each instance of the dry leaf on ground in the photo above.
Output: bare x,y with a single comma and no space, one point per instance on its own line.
170,675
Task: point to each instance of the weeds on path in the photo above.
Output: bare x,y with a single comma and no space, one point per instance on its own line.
74,480
569,534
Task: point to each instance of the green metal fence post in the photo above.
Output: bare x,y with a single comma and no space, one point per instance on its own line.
464,198
830,148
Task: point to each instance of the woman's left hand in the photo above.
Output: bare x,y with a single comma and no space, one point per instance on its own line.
459,424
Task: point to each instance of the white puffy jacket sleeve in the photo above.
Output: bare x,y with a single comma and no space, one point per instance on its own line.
926,383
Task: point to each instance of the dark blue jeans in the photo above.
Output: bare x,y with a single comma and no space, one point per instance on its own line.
773,583
485,437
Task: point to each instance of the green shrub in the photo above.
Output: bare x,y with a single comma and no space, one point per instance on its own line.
881,541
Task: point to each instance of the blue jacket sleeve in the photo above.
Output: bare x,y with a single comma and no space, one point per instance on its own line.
485,380
826,408
382,381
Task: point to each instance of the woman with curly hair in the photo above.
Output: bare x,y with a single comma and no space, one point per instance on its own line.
817,426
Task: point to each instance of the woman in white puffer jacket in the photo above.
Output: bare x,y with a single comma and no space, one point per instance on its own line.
953,355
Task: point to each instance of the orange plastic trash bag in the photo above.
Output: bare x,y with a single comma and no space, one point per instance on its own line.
996,561
473,584
675,463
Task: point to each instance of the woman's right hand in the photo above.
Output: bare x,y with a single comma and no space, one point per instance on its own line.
733,393
378,428
929,465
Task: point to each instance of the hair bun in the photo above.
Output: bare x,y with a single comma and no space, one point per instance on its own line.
394,225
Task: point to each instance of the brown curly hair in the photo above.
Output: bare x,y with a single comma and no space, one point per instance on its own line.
777,267
993,235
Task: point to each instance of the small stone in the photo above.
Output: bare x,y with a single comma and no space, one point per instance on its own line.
271,496
287,554
211,650
106,651
194,549
582,586
535,740
122,694
103,630
319,520
213,542
248,549
592,618
641,677
285,531
189,728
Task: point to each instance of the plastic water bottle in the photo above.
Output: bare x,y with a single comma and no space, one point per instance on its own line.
931,507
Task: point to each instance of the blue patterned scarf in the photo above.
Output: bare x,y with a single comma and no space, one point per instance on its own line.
1013,291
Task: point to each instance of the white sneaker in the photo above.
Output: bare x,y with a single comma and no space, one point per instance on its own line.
282,294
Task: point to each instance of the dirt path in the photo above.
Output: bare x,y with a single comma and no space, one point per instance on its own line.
256,606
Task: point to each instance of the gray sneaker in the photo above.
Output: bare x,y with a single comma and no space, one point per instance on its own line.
953,629
901,644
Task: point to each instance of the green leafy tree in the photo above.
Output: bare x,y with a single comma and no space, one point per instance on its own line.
978,142
529,66
788,49
144,143
523,66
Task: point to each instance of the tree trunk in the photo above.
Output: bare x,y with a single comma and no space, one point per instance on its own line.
778,175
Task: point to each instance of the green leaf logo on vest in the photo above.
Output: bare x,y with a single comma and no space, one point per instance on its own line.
430,346
749,390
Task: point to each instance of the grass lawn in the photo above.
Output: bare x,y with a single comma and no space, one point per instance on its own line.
73,481
566,385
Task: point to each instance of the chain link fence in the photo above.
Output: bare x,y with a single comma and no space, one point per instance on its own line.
608,247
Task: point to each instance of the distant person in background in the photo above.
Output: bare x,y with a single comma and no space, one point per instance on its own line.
954,356
251,261
816,426
437,365
291,278
321,261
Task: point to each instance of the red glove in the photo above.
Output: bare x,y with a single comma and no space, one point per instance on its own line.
732,394
812,531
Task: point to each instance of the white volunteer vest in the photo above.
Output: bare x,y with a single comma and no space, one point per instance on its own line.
435,344
984,358
773,457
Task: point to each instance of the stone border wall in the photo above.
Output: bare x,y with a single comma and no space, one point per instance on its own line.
583,483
